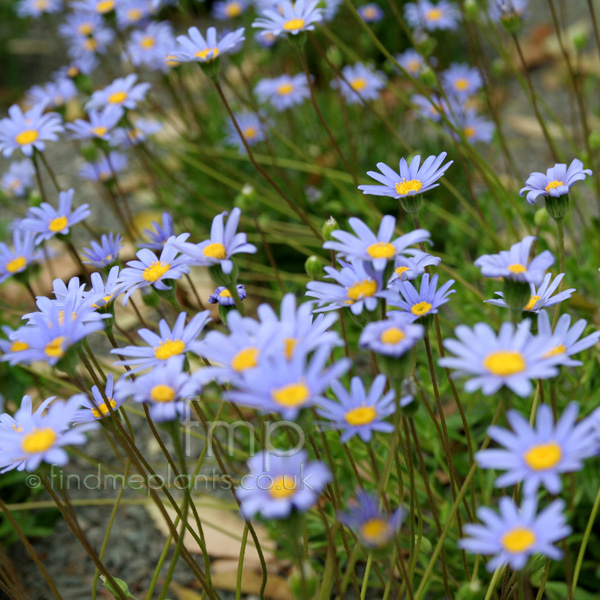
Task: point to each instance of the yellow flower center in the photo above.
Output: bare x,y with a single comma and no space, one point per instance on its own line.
393,335
543,456
117,98
225,294
381,250
155,271
361,289
293,394
518,540
413,66
163,393
103,409
27,137
560,349
18,346
517,268
106,300
285,89
215,251
469,132
461,84
400,270
54,349
73,72
289,347
147,42
421,308
39,440
245,359
233,9
363,415
86,28
530,305
42,4
105,6
358,84
283,486
293,24
374,531
505,362
405,187
434,14
203,54
250,133
553,185
58,224
16,264
171,61
90,44
134,14
169,348
99,131
61,316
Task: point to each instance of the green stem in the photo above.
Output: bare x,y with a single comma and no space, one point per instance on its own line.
491,588
584,542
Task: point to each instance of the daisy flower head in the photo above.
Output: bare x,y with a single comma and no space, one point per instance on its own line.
461,80
430,16
157,271
394,336
285,387
330,8
283,92
228,9
422,303
564,340
158,237
511,358
291,18
556,182
27,131
474,127
131,13
508,12
375,528
104,253
357,287
105,168
265,38
360,82
431,108
164,345
99,126
124,92
222,296
103,293
411,61
18,179
410,180
538,456
514,264
166,389
47,221
370,13
100,405
517,532
148,47
55,93
377,248
541,296
100,7
359,412
413,265
36,8
42,435
141,131
16,259
252,129
278,485
223,243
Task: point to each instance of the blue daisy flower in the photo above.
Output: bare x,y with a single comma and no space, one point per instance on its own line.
370,13
23,414
539,456
541,297
47,221
292,17
132,12
13,344
54,93
514,264
161,233
359,412
357,287
18,179
252,129
426,301
283,92
167,390
224,242
461,80
429,16
565,340
474,127
516,533
194,48
556,182
413,265
228,9
411,180
360,82
276,485
105,253
375,529
510,358
377,248
96,408
411,61
20,256
501,10
100,124
124,92
222,296
101,7
148,47
170,342
28,130
394,336
142,130
103,292
105,168
36,8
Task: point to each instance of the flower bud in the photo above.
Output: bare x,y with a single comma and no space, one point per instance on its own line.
313,267
541,217
246,200
580,40
328,228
